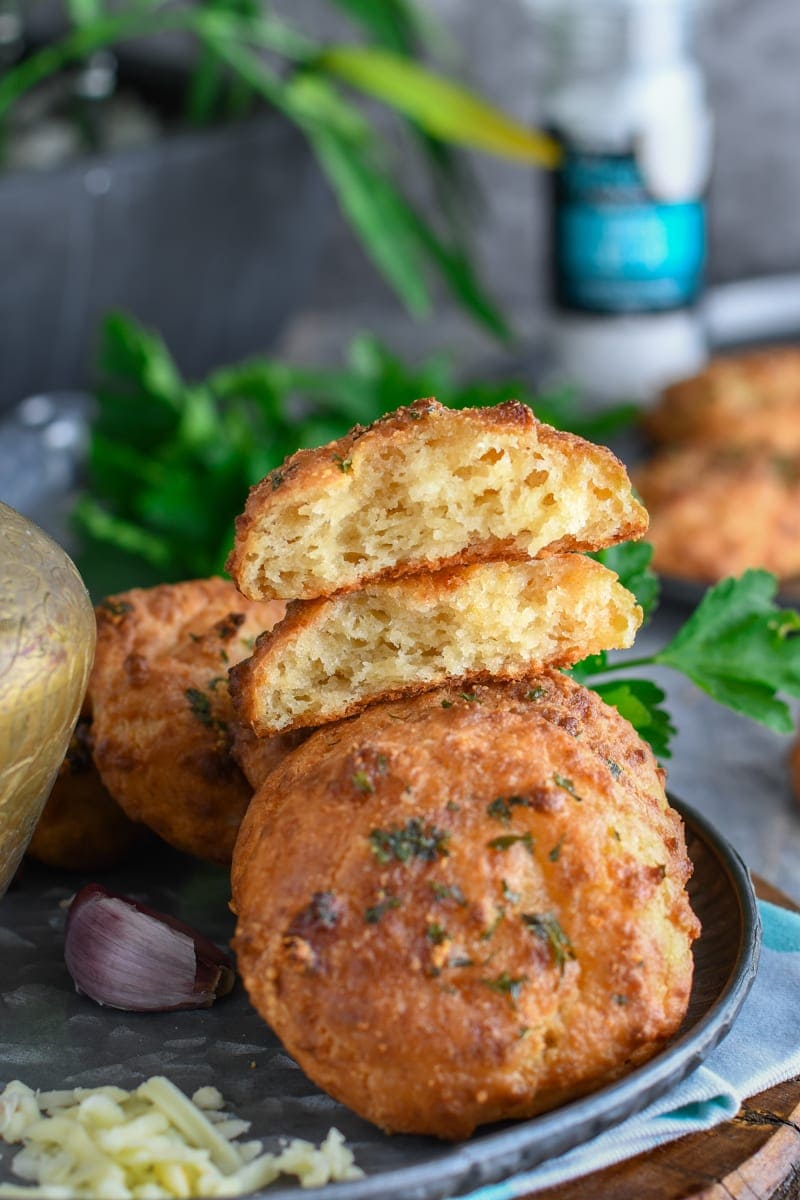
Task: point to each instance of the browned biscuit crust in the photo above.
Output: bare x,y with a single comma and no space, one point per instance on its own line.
329,658
161,709
717,511
455,911
554,696
424,488
82,828
740,400
259,756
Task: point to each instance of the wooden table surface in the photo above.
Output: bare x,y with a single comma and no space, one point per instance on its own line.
756,1156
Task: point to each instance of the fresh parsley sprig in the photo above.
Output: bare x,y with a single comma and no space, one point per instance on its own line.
738,646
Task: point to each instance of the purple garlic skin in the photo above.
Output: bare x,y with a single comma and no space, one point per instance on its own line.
126,955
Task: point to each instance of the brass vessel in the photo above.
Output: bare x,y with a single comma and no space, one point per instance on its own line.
47,636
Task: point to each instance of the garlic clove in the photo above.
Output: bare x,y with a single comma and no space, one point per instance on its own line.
126,955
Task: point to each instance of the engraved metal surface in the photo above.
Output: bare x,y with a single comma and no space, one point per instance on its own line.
47,634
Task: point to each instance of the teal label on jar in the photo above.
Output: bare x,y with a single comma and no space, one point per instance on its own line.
617,247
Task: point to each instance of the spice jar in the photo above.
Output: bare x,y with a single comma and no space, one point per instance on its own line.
626,100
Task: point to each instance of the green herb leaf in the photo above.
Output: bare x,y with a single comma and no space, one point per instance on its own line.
200,705
547,927
511,839
362,782
501,809
443,108
436,933
566,785
413,840
449,891
742,649
639,701
507,985
379,214
373,914
555,853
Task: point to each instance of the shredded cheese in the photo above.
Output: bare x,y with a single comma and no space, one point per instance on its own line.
149,1144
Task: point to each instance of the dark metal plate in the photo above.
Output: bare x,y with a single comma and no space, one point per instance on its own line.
51,1037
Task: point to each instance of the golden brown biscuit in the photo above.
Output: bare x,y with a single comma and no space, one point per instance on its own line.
715,512
454,912
556,698
424,488
329,658
258,756
81,827
740,400
161,708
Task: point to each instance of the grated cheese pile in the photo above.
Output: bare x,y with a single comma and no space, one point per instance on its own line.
110,1144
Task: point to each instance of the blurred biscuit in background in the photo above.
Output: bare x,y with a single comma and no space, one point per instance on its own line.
715,511
747,400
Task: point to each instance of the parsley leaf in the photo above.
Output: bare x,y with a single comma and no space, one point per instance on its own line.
741,649
738,646
639,701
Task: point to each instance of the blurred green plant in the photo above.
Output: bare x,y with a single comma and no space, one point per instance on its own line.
170,462
245,51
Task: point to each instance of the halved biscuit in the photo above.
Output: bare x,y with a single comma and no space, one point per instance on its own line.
424,488
330,658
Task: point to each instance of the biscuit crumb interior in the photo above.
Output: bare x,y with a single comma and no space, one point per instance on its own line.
424,502
391,636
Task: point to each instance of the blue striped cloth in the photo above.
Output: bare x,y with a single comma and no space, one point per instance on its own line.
762,1049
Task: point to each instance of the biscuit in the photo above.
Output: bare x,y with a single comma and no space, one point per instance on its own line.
424,488
556,699
258,756
717,511
741,400
329,658
455,912
161,710
81,827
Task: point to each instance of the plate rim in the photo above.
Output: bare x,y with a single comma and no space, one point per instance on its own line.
466,1168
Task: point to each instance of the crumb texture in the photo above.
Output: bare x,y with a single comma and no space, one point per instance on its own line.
424,488
329,658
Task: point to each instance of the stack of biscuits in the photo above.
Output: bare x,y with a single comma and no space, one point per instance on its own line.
462,897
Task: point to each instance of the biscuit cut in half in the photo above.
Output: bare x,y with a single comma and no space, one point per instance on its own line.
424,488
330,658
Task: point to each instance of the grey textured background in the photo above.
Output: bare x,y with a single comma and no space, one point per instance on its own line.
750,50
